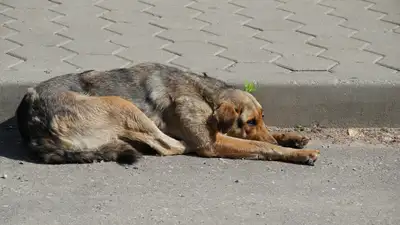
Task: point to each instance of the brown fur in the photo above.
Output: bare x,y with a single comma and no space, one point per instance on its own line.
188,113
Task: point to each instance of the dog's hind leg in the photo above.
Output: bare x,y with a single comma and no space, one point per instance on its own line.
160,142
138,127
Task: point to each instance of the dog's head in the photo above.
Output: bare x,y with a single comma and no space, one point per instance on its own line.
240,115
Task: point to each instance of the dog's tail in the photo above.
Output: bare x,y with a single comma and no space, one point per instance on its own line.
52,153
33,126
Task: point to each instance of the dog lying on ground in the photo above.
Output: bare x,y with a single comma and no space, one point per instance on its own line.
115,115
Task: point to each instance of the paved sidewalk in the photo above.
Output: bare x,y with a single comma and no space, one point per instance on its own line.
329,61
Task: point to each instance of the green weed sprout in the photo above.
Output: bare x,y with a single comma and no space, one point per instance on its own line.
250,86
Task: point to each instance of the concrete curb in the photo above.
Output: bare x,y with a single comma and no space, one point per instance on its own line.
296,102
331,106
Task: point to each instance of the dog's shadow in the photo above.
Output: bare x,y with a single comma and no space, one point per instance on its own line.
11,145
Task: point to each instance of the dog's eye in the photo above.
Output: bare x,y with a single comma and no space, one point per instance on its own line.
252,122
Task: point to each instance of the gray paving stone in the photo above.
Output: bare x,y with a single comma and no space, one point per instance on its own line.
238,41
6,46
179,22
229,29
261,5
392,18
32,17
215,8
122,5
137,35
311,19
8,61
4,8
37,52
357,15
91,46
354,60
366,68
31,4
246,55
305,63
44,65
386,47
31,37
6,32
78,12
390,7
143,53
199,63
187,35
293,48
12,77
33,26
391,61
41,58
194,48
345,8
353,56
216,17
136,29
385,40
337,42
162,2
283,36
319,29
75,32
91,22
98,62
384,50
305,7
5,19
264,13
257,69
274,21
139,40
128,17
166,9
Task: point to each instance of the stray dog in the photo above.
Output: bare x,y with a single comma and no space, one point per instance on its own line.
115,115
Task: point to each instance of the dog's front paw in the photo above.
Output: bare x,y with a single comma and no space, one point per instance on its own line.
307,157
292,140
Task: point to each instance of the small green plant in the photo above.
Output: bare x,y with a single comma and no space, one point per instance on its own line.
250,86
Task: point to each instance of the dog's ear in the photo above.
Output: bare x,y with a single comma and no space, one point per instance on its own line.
225,116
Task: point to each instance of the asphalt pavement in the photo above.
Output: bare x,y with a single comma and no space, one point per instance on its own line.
349,184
